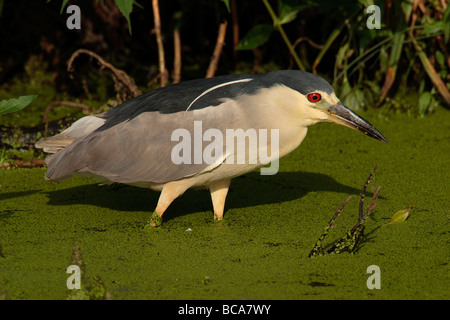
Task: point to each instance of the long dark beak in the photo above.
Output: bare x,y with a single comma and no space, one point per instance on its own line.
340,114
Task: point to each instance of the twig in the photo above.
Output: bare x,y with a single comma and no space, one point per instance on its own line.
363,190
352,238
311,43
370,207
318,247
235,30
63,103
177,56
121,79
369,210
279,26
164,75
338,212
32,163
217,50
372,204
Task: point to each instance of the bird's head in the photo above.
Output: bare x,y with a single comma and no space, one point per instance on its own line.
318,102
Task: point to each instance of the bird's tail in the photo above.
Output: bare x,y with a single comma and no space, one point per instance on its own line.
58,145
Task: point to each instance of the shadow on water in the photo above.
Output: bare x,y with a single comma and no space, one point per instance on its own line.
9,212
18,194
249,190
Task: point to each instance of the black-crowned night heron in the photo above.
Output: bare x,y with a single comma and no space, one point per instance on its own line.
199,133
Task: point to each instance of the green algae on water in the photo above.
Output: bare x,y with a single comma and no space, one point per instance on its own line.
260,249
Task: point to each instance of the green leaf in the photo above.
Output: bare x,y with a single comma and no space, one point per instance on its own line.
440,58
125,7
15,104
227,4
446,24
64,2
255,37
399,216
290,8
342,55
433,27
424,102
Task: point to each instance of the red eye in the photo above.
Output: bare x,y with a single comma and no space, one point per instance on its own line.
314,97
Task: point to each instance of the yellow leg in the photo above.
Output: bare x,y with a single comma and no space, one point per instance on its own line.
170,192
219,191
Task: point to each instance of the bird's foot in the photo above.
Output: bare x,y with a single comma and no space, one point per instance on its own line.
155,220
218,217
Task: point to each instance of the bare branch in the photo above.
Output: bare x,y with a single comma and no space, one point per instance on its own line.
338,212
63,103
363,190
217,50
235,30
177,56
311,43
121,79
32,163
164,75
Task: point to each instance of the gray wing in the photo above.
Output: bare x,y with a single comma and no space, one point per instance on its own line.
135,142
132,151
